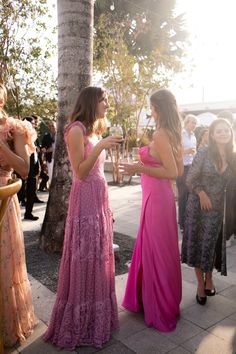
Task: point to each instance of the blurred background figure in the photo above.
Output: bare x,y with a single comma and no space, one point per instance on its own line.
43,187
202,138
31,182
48,143
189,143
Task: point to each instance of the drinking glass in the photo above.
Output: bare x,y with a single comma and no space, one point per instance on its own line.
116,131
135,154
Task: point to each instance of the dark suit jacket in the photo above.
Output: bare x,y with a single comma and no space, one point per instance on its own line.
34,167
47,143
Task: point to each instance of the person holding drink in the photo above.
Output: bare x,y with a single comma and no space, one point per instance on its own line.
154,280
85,312
189,142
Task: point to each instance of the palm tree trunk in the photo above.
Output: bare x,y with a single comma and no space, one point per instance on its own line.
75,50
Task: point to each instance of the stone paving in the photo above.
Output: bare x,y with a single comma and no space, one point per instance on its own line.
209,329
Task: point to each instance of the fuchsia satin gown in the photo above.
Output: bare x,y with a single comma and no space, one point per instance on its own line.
154,280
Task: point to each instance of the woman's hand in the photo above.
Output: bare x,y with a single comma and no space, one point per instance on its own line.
205,201
109,142
130,169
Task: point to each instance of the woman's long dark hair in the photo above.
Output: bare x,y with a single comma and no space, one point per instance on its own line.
165,105
213,149
86,108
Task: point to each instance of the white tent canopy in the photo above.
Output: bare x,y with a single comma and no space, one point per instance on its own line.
206,118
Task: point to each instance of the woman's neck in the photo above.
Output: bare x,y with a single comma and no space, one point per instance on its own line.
221,149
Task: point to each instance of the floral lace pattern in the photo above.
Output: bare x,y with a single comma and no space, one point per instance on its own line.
85,312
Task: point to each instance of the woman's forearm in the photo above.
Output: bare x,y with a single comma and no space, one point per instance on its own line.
87,165
159,172
14,161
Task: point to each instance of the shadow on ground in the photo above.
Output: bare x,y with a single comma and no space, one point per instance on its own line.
44,266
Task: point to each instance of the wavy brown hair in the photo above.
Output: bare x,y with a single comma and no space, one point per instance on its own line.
86,108
165,105
213,149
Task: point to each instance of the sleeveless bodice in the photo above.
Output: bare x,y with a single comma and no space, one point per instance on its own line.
146,158
147,181
97,171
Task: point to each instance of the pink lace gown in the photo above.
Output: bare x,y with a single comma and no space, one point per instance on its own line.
154,280
18,319
85,311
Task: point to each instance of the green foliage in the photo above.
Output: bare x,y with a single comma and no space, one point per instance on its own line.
24,56
138,46
149,25
129,82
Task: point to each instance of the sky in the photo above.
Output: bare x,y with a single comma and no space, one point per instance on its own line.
211,58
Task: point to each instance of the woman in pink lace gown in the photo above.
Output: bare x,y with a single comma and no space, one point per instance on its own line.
154,281
85,312
16,144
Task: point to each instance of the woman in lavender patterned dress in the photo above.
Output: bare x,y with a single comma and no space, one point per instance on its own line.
85,312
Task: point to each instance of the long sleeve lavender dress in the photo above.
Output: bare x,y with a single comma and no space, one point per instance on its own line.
85,312
154,281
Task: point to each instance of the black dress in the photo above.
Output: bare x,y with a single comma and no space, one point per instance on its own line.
202,228
229,220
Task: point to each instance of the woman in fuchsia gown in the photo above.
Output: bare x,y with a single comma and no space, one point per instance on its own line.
154,281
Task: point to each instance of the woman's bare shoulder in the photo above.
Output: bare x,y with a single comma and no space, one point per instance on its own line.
160,136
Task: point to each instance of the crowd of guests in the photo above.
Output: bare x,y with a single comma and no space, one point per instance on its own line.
85,311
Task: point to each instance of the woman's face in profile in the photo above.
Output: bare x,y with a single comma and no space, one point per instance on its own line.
221,134
102,107
154,113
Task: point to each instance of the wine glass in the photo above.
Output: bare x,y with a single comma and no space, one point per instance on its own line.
135,154
135,157
116,131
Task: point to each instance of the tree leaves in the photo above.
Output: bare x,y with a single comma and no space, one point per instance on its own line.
24,67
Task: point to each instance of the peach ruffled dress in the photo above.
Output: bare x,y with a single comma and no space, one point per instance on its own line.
18,318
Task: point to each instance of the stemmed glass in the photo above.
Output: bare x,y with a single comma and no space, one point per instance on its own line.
135,156
117,132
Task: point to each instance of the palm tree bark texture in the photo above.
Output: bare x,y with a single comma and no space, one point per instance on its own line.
75,51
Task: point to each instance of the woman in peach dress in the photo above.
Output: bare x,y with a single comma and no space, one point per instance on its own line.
16,143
